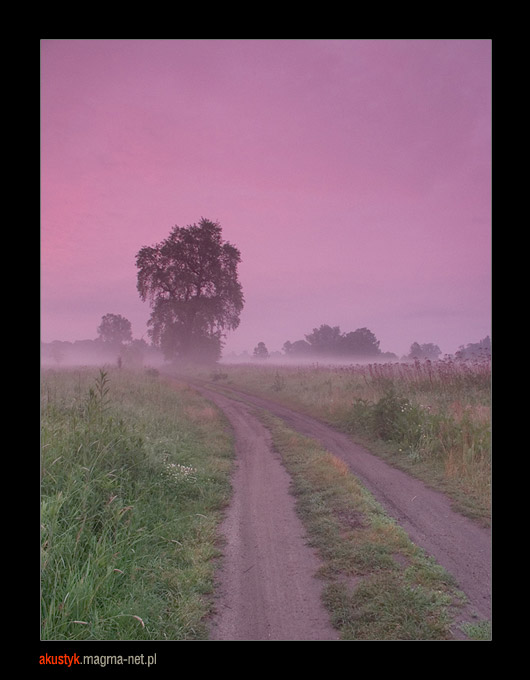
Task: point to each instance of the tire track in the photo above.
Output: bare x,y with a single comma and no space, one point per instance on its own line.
267,585
457,543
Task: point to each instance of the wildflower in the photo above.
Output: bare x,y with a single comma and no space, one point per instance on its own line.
178,472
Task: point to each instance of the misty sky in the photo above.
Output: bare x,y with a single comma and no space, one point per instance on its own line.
353,175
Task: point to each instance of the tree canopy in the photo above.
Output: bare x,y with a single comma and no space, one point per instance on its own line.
424,351
191,282
115,329
475,350
297,348
329,341
325,340
261,351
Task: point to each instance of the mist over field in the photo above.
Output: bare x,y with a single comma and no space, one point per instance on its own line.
95,353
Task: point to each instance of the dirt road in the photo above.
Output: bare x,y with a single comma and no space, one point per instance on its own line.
267,589
267,584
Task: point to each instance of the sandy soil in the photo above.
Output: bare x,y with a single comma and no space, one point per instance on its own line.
268,590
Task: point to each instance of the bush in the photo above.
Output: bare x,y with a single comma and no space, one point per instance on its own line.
394,418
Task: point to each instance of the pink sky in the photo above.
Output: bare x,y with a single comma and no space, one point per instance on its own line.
353,175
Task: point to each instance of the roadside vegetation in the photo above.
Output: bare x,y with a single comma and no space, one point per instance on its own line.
431,418
377,584
135,475
134,478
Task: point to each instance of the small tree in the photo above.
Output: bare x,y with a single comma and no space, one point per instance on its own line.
425,351
261,351
297,348
115,330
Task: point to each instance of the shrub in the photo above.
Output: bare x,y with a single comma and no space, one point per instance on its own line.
394,418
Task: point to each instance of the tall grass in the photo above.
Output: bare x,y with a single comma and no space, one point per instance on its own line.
134,475
433,418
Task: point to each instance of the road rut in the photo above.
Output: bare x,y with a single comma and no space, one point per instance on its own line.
457,543
268,588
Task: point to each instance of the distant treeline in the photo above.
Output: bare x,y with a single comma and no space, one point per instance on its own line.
328,342
325,342
475,350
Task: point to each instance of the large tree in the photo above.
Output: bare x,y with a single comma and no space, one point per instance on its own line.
191,281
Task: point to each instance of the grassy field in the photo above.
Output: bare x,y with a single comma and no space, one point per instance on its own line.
432,419
135,474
